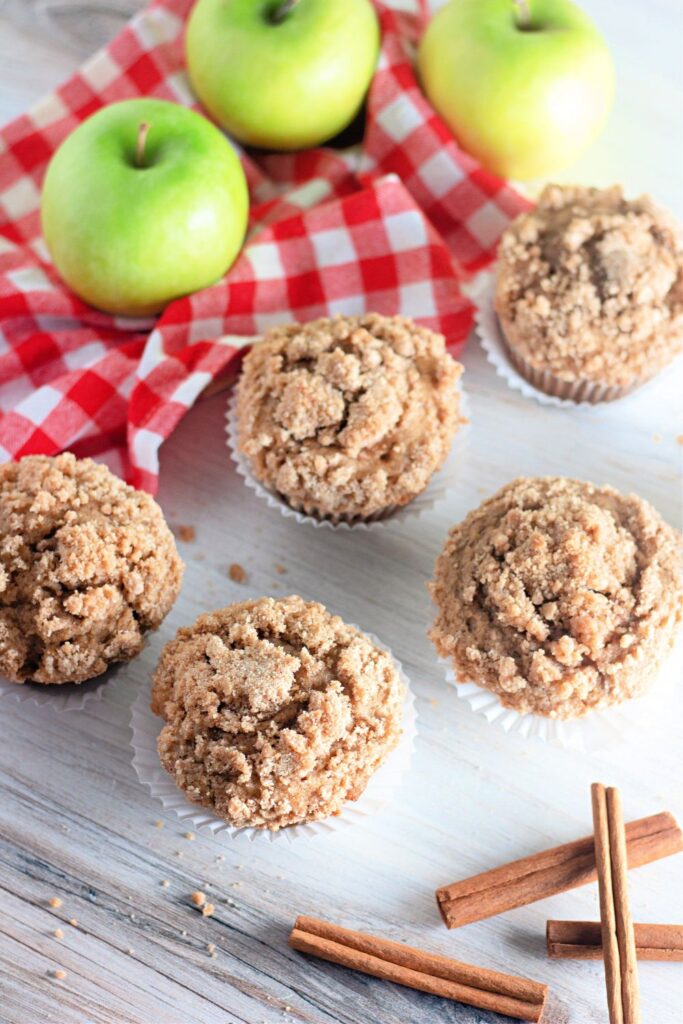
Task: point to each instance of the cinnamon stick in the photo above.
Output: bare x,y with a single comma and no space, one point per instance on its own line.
618,939
428,972
582,940
551,871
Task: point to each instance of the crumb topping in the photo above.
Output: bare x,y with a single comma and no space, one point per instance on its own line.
276,712
559,596
590,286
87,567
350,416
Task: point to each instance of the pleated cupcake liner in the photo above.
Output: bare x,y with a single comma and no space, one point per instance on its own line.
379,792
595,731
440,487
64,697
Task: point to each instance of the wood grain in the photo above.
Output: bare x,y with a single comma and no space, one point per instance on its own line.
75,823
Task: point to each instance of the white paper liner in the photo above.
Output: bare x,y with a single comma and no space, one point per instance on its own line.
491,336
380,790
67,697
598,730
437,490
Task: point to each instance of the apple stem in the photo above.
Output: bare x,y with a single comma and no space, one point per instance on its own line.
523,12
280,12
143,130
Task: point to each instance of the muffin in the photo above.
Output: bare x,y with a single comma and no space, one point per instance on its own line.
347,419
589,292
87,567
559,596
275,712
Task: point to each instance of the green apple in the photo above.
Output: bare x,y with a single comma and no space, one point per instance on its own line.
282,74
524,86
144,202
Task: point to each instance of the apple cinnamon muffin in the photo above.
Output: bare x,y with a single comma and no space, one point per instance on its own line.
87,567
275,711
559,596
589,292
348,418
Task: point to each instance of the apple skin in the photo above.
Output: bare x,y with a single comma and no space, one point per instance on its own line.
524,103
283,86
129,239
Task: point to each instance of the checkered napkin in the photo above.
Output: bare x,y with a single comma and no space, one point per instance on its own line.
389,225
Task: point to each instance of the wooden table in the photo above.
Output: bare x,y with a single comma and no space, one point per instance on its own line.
75,824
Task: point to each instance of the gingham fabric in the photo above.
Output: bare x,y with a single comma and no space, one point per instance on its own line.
388,225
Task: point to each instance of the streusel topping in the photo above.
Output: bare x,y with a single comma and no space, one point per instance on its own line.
348,417
590,286
559,596
276,711
87,566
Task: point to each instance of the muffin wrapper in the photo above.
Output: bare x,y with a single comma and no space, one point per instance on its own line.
378,793
517,372
441,484
67,697
596,731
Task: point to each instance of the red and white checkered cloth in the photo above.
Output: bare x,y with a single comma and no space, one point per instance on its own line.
389,226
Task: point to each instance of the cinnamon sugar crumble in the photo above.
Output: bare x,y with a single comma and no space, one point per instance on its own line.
559,596
590,286
348,417
187,533
87,567
276,711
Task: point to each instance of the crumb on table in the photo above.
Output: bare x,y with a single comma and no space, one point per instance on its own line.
186,533
55,902
59,974
237,573
198,898
280,569
58,933
208,910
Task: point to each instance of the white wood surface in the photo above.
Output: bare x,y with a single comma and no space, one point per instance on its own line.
74,822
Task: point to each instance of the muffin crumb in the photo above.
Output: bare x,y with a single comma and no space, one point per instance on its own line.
59,974
236,573
198,898
208,910
55,902
58,933
187,533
